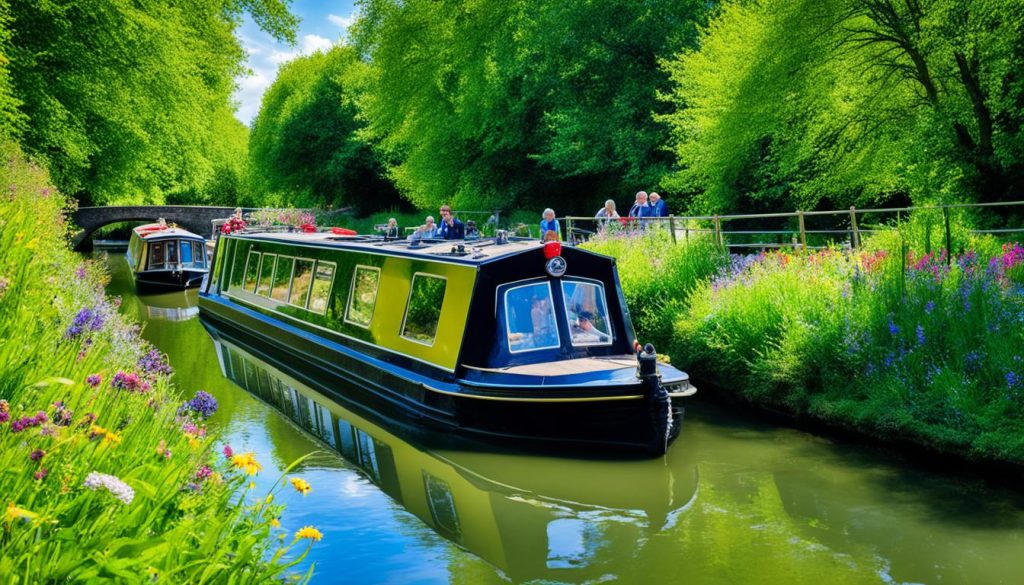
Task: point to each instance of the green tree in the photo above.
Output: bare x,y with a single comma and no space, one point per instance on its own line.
835,102
123,100
513,103
305,148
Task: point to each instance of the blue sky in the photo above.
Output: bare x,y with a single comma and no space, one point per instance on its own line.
324,23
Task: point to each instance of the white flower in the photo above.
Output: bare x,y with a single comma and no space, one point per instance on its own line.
120,489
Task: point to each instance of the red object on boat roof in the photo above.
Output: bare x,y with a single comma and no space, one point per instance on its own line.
552,249
343,231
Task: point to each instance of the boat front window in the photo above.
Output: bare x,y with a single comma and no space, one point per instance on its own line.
587,312
530,318
172,252
423,312
156,255
192,254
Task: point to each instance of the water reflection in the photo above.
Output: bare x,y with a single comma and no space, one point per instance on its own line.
559,522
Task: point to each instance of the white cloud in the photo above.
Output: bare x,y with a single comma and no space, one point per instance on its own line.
314,43
250,93
342,21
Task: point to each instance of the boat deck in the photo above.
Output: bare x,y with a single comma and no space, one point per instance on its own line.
566,367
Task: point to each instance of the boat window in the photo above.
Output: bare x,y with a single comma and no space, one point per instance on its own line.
322,279
186,253
266,272
252,270
301,279
587,312
156,255
282,274
442,506
363,296
530,318
426,295
172,251
192,254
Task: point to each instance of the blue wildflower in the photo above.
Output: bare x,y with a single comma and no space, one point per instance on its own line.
920,335
153,363
1012,380
929,307
203,404
894,329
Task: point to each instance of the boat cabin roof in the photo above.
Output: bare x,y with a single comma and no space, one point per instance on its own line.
474,252
158,231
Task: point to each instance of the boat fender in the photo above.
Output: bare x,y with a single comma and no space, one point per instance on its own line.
659,403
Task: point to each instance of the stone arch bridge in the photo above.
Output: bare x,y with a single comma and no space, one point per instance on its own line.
194,218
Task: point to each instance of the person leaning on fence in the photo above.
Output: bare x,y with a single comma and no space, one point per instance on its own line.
658,206
472,233
549,224
607,212
641,208
450,228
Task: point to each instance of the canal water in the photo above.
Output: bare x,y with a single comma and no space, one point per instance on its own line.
734,501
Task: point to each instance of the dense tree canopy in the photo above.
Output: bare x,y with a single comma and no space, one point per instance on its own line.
507,103
304,148
831,102
129,101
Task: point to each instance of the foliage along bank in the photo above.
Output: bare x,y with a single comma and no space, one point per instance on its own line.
888,341
107,473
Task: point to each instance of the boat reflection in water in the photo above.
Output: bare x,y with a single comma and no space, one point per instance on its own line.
179,306
551,519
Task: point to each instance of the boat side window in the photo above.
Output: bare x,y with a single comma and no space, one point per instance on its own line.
530,318
252,270
156,255
172,251
302,277
323,277
363,296
423,311
266,272
186,253
282,276
587,312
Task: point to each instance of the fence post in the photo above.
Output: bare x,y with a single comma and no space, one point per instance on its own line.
854,232
803,231
718,230
568,228
672,227
949,236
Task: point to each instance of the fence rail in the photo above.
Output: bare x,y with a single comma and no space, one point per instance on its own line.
853,223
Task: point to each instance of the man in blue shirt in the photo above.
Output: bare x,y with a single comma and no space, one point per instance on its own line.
450,228
549,224
641,208
658,207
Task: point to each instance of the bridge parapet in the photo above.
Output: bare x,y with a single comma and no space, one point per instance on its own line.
195,218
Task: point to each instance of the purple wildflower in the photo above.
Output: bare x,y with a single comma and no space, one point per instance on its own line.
41,474
37,455
4,417
204,472
28,422
93,380
80,271
127,381
153,363
203,404
228,453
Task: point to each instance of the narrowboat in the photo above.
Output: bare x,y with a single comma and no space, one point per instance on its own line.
536,519
161,256
502,338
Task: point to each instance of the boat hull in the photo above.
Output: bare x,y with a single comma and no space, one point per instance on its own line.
545,418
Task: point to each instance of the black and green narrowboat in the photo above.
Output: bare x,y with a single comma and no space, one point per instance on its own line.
162,257
497,338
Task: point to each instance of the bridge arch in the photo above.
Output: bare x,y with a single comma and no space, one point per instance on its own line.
194,218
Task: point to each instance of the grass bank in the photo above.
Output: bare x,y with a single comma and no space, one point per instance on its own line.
107,473
888,341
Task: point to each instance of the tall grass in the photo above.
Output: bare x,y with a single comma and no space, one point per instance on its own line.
106,473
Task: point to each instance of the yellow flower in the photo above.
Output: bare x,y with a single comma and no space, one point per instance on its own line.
110,437
14,513
301,485
310,533
268,499
217,478
193,442
252,485
247,463
275,522
97,430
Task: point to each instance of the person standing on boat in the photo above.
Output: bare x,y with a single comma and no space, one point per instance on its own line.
549,224
391,231
429,229
658,206
450,228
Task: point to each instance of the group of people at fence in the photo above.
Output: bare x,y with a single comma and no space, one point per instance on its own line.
451,228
